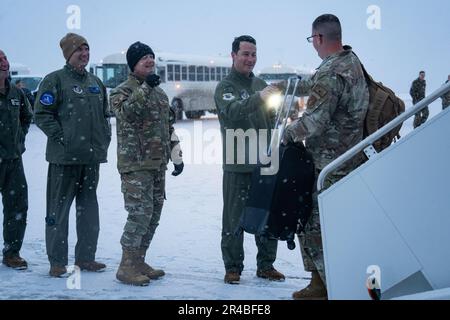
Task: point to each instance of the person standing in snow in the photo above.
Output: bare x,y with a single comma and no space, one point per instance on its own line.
72,110
332,123
15,119
240,100
146,140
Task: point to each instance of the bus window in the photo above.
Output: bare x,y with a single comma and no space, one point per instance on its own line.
206,73
218,74
161,71
184,75
177,72
170,72
200,74
213,74
98,71
191,73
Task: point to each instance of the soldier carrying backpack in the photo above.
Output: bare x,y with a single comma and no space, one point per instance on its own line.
384,106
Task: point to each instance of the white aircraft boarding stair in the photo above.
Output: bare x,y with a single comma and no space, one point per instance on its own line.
389,219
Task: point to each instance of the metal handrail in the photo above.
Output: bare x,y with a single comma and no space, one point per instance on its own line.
378,134
278,135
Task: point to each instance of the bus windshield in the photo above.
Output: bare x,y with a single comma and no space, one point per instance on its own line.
29,82
114,74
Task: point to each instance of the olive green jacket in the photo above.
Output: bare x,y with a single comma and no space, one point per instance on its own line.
15,119
72,110
240,110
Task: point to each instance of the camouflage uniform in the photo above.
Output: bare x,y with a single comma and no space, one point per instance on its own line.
417,93
446,98
15,119
331,124
72,110
145,138
239,106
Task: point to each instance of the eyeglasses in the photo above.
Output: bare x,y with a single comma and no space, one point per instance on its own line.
310,39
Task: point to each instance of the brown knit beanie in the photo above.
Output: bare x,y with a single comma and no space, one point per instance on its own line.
70,43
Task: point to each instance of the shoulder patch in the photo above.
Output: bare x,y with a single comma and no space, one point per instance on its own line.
319,90
47,99
228,96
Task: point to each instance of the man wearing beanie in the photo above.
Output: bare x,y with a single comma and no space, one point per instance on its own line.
71,108
145,142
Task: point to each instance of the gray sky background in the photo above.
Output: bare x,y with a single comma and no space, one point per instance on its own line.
414,35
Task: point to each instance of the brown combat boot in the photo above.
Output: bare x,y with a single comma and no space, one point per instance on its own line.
92,266
15,261
147,270
57,271
232,277
316,290
271,274
128,272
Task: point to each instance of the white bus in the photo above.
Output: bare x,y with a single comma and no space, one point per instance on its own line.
18,69
279,72
188,80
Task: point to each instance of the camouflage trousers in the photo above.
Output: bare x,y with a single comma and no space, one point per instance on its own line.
144,193
236,187
311,238
421,117
14,190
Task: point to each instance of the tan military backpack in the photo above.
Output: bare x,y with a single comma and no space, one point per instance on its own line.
384,106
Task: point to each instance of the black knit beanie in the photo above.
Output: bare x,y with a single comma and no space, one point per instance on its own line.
135,52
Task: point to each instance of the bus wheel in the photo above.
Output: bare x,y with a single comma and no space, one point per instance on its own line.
177,106
194,115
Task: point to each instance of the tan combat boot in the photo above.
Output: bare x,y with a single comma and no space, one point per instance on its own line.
147,270
128,272
316,290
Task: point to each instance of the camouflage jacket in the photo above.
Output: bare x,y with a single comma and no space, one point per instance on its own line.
334,119
144,126
239,107
446,98
417,90
72,110
15,119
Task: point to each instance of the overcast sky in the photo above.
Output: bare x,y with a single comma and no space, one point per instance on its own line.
409,36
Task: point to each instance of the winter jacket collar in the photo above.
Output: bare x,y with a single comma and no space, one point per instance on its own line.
234,74
74,73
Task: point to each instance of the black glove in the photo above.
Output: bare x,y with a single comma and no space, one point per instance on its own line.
178,169
153,80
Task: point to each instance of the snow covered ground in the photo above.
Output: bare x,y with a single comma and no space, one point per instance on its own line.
186,244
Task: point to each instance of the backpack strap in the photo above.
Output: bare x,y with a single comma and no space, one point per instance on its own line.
366,74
